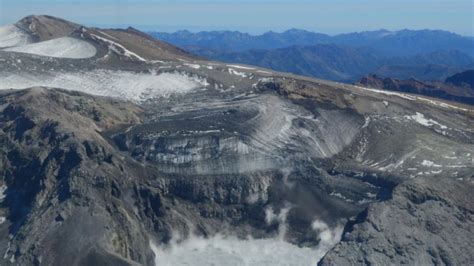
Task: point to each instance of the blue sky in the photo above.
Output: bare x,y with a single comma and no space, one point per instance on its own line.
255,16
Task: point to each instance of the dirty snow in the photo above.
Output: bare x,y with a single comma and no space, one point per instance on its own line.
132,86
11,35
195,66
65,47
430,164
3,189
339,195
241,67
237,73
414,98
113,46
420,119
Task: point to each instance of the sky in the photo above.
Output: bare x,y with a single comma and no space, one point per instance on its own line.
254,16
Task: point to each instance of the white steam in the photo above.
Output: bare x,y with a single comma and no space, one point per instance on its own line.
328,237
280,218
233,251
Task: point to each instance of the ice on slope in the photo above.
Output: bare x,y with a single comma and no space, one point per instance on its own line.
10,36
132,86
113,46
65,47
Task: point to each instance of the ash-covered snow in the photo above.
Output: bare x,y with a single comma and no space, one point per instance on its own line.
11,35
237,73
65,47
415,98
3,189
132,86
195,66
121,49
241,67
430,164
420,119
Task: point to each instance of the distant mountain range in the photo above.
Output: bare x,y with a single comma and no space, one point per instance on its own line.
421,54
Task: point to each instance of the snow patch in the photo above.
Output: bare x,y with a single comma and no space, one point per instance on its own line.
237,73
195,66
420,119
241,67
339,195
65,47
122,50
430,164
366,122
414,98
3,189
137,87
11,35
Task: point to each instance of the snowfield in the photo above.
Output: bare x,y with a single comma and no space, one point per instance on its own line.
137,87
65,47
11,35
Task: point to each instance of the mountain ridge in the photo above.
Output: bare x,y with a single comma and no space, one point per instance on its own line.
432,40
424,54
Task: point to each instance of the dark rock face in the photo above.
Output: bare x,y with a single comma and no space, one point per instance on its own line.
464,79
57,186
424,223
455,90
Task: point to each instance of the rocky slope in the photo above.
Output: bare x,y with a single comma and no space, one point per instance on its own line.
461,92
464,79
424,223
144,155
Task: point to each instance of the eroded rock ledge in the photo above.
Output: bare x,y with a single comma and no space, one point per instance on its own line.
428,221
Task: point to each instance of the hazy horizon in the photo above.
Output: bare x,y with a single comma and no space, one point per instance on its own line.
252,31
255,17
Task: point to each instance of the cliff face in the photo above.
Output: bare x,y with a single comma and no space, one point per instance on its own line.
424,223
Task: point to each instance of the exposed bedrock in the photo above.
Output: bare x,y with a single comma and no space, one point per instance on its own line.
424,224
